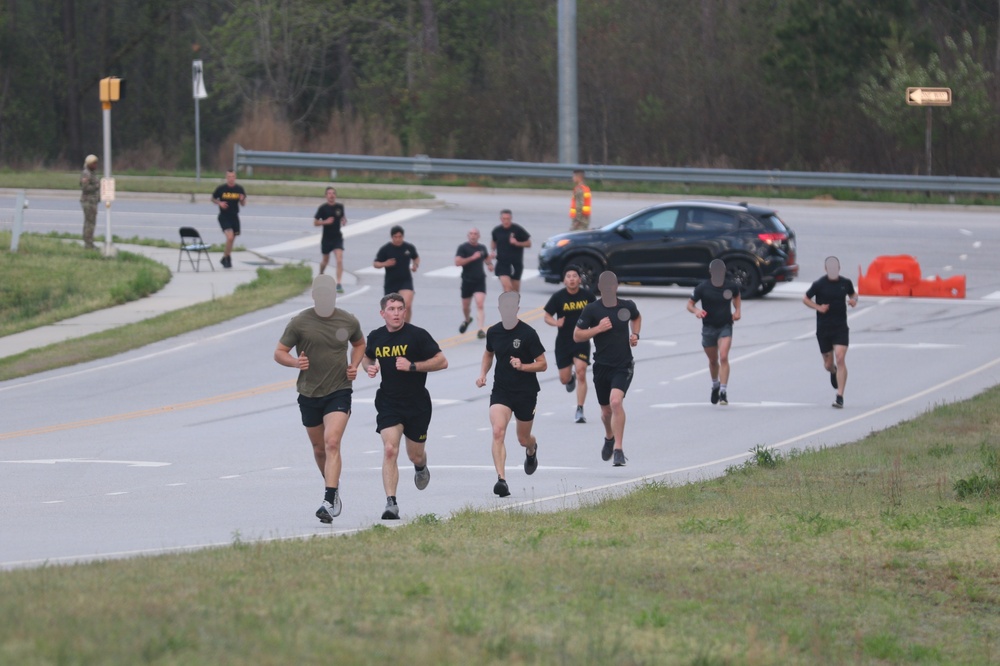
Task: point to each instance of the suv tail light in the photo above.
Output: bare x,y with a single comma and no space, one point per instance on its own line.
773,238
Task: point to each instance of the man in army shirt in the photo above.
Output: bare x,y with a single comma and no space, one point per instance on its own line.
90,194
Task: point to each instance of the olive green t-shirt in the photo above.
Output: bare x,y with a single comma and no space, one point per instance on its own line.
327,342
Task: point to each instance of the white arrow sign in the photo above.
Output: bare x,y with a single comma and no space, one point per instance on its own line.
928,96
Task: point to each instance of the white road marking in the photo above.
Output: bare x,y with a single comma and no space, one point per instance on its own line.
394,217
765,403
995,296
53,461
913,345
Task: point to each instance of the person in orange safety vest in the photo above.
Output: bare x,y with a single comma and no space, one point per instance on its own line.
579,210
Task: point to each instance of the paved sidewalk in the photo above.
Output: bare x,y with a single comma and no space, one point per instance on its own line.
185,288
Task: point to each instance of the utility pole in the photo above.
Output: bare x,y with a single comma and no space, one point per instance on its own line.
569,132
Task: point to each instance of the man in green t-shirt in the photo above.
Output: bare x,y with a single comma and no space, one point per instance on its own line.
322,337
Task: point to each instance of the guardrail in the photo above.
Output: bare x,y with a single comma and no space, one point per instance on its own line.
424,166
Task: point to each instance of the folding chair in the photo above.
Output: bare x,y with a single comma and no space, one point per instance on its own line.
191,242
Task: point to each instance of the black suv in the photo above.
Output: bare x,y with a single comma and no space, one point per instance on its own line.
673,243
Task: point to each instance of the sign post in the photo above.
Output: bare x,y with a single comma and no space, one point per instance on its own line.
929,97
112,89
198,84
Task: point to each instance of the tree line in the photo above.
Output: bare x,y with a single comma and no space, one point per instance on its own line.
754,84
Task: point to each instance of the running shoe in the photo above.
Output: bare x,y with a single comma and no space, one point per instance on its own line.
571,384
619,458
481,334
421,477
579,415
833,379
340,288
391,510
839,402
531,461
715,395
723,398
226,261
464,326
327,512
500,488
609,446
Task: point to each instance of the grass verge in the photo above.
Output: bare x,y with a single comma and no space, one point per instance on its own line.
47,280
859,554
272,286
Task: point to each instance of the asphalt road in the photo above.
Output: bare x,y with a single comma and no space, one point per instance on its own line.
196,441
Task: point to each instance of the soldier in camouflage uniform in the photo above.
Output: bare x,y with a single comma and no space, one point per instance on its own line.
90,186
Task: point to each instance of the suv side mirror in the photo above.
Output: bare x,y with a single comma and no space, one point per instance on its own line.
623,231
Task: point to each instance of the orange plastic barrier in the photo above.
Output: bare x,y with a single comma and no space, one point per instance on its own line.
953,287
899,275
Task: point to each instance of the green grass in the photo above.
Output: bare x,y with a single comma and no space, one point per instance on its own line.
859,554
48,280
88,290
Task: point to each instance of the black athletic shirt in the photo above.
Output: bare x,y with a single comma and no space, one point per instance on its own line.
231,195
835,293
564,305
611,348
412,343
474,270
507,253
398,276
331,232
521,342
716,301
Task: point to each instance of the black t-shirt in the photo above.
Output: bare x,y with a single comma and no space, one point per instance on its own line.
331,232
398,276
474,270
565,305
412,343
835,293
716,301
611,348
521,342
231,195
507,253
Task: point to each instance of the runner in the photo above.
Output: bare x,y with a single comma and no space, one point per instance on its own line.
229,197
509,241
331,217
400,260
572,358
404,353
520,356
720,300
827,297
607,322
322,337
473,257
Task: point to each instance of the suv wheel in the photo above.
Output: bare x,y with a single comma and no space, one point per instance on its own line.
590,270
746,275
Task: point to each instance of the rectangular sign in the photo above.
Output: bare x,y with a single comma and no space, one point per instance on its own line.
107,190
198,80
928,96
